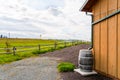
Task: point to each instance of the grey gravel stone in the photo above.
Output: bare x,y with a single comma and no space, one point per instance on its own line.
38,68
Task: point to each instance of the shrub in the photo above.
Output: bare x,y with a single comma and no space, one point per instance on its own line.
51,50
25,54
39,52
43,51
65,67
7,48
36,52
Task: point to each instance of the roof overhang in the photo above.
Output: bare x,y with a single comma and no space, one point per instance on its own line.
87,6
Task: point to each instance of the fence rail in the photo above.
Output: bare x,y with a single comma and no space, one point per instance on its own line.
16,49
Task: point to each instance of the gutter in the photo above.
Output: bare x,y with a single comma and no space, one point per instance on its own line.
93,23
91,30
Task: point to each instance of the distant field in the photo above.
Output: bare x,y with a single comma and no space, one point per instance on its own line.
24,48
23,45
24,42
6,45
30,47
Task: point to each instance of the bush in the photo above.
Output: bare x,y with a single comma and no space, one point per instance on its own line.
65,67
43,51
25,54
7,48
36,52
51,50
39,52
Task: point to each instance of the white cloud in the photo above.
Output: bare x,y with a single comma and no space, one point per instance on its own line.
59,19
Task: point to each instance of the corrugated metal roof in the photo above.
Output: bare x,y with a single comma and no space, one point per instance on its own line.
87,5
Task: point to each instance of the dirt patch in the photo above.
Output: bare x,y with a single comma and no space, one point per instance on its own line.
70,54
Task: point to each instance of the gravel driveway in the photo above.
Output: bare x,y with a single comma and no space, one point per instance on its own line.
44,67
40,68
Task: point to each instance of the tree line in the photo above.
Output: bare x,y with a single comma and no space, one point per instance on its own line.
3,36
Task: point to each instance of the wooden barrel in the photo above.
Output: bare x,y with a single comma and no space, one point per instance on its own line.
85,60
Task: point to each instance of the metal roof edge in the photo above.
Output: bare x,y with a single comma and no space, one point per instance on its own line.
83,5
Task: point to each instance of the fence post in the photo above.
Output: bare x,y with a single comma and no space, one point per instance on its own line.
14,50
39,47
77,43
72,43
55,45
65,44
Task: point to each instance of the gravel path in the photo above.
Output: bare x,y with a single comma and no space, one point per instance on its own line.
40,68
44,67
70,54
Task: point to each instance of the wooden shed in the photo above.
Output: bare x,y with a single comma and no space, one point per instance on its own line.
105,35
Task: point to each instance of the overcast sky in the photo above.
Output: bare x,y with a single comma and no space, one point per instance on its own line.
53,19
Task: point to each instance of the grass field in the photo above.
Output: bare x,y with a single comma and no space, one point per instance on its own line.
29,47
24,42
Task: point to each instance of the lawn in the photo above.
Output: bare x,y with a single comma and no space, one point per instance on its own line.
29,47
24,42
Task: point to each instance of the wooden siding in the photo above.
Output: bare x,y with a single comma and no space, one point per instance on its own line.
97,46
106,37
118,46
104,55
112,46
118,4
103,37
118,61
96,31
104,8
97,11
112,6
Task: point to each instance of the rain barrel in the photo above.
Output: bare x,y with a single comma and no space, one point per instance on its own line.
85,60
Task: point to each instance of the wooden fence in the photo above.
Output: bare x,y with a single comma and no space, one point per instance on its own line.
16,49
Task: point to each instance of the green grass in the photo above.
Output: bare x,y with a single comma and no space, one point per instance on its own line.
65,67
23,44
47,50
6,58
36,52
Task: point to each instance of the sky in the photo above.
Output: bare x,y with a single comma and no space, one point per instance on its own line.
46,19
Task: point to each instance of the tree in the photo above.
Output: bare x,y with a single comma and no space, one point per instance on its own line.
1,36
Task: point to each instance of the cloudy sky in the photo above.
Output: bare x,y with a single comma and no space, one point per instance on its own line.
53,19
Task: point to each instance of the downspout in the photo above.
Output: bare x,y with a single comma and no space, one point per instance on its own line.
102,19
91,30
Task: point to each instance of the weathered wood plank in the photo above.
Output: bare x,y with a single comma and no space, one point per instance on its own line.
112,24
118,46
112,6
96,46
104,53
